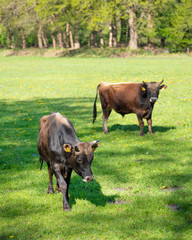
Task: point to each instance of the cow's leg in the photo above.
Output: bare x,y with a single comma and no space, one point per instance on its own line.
106,113
67,176
141,124
57,189
62,186
50,188
66,172
149,122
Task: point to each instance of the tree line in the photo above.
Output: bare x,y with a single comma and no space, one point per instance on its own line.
96,23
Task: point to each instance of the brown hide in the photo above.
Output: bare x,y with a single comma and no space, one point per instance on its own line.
121,97
60,148
125,98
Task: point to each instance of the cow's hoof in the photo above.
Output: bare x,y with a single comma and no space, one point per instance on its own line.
50,191
67,209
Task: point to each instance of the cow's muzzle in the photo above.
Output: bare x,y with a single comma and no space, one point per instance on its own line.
88,178
153,99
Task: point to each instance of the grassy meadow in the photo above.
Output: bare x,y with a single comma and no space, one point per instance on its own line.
143,185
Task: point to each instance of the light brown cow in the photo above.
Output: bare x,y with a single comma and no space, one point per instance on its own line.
125,98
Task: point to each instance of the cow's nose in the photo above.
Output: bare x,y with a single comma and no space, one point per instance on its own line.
88,178
153,99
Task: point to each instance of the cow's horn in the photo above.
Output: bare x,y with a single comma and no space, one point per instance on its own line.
161,82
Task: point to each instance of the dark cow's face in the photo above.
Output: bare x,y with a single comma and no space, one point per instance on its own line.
81,157
152,90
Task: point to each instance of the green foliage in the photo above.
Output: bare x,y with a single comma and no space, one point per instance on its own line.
142,186
174,23
165,23
3,36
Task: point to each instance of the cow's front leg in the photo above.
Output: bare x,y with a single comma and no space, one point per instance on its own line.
67,179
67,176
149,122
62,186
57,189
50,188
141,124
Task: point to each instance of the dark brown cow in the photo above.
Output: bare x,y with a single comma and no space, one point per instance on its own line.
125,98
60,148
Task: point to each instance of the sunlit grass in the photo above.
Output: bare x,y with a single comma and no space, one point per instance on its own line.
144,176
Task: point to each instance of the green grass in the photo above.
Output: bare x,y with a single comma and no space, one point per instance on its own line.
127,167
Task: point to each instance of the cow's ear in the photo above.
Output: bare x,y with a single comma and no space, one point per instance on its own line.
144,83
163,86
144,86
94,145
67,148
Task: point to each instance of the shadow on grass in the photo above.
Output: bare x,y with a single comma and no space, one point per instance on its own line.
13,208
19,130
134,127
88,191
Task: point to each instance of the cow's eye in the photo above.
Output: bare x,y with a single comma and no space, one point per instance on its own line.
80,160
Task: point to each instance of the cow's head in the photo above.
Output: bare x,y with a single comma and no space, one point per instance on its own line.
80,158
151,90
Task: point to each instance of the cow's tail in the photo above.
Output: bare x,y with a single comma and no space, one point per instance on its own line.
41,162
94,106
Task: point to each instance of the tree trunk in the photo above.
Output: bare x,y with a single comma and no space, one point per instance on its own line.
150,28
70,35
23,39
113,33
163,41
93,42
8,39
60,39
44,39
53,41
124,31
110,36
77,43
133,30
64,39
114,30
67,36
101,38
39,35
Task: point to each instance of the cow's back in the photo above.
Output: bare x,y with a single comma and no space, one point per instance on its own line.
55,130
43,145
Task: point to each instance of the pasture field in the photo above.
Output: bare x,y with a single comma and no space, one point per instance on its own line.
143,185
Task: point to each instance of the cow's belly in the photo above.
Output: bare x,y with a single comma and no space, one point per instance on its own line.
123,111
44,152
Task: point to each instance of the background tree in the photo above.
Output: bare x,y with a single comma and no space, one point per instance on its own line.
77,23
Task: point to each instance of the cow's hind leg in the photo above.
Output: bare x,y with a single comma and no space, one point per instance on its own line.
50,188
106,113
141,124
62,186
